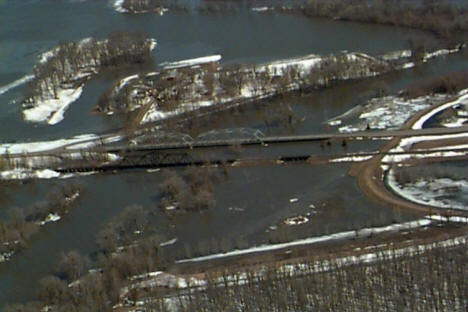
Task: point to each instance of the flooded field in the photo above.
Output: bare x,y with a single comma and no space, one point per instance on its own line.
251,202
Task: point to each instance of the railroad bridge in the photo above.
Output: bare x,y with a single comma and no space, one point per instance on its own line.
277,149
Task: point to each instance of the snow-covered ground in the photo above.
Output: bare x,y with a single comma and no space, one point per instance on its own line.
118,6
162,279
350,159
297,220
23,174
262,9
442,193
51,106
51,110
19,158
74,143
462,99
52,217
191,62
250,89
389,112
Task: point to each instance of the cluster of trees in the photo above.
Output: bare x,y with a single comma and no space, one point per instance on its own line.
24,222
75,287
450,84
129,246
432,281
157,6
405,175
170,89
138,6
445,20
72,62
191,191
124,229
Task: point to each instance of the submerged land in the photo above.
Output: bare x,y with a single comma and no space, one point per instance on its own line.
402,149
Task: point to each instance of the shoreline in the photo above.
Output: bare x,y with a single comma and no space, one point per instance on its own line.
370,174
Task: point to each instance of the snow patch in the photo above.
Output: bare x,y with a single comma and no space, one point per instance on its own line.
261,9
462,99
169,242
191,62
389,112
118,6
23,174
52,217
51,110
351,159
298,220
16,83
435,192
31,147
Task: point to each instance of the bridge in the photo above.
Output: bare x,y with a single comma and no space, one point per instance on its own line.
272,149
283,139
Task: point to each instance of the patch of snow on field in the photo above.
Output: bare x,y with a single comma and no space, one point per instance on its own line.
261,9
169,242
335,122
153,44
326,265
454,219
398,158
387,112
393,56
191,62
406,144
31,147
52,110
434,192
298,220
462,99
408,65
24,174
457,122
304,65
351,159
51,217
124,81
438,53
118,6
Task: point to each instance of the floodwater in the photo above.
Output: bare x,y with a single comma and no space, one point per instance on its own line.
250,199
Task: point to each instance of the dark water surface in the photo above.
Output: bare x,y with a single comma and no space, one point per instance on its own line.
252,198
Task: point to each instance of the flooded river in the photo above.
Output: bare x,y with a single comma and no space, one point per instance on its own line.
250,199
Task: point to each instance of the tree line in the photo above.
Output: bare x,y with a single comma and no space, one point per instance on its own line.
139,6
445,20
71,63
443,84
130,246
183,88
22,222
430,281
